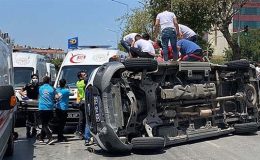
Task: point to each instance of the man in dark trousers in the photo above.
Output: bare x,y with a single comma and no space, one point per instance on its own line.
81,85
62,96
30,91
189,50
168,23
46,104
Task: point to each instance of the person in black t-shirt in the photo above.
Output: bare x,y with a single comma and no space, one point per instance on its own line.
30,91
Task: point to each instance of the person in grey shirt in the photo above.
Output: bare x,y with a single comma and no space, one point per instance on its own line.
188,33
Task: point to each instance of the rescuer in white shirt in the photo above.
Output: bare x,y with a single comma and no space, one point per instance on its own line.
169,31
188,33
142,48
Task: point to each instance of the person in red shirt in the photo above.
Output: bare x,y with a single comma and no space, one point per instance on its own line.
158,45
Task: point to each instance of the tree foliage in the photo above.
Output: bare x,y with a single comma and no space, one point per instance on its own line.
249,45
139,22
57,63
223,12
194,13
200,15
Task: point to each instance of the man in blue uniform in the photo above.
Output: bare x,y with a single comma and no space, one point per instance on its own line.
62,97
46,104
189,50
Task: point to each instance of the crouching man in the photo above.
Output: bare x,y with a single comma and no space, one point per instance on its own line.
189,50
142,48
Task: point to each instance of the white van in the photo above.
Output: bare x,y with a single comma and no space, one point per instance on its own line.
7,100
51,72
85,59
25,64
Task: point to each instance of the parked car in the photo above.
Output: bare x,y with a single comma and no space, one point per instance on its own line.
7,101
141,104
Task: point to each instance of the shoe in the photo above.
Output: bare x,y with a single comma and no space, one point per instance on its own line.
41,141
34,132
89,142
50,141
79,135
28,135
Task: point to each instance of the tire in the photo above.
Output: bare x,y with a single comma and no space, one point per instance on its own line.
10,148
238,64
251,95
148,143
140,64
246,128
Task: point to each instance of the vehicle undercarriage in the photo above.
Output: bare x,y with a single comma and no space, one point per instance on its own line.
144,105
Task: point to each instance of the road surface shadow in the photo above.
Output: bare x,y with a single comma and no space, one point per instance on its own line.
23,149
198,141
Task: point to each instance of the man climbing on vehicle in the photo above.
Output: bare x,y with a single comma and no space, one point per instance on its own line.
189,50
142,48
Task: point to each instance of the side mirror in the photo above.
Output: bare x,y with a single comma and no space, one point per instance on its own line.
7,97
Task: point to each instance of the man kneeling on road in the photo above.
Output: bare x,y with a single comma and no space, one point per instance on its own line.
142,48
189,50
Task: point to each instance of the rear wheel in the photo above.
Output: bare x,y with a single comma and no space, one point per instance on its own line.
140,64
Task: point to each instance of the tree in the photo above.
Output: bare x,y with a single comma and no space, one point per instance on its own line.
249,45
202,15
222,14
193,13
138,22
57,63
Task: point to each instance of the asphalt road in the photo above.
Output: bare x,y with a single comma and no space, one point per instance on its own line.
229,147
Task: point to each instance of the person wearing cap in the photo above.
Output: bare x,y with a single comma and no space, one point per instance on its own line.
30,91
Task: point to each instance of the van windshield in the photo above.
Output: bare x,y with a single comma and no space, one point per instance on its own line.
69,73
22,76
